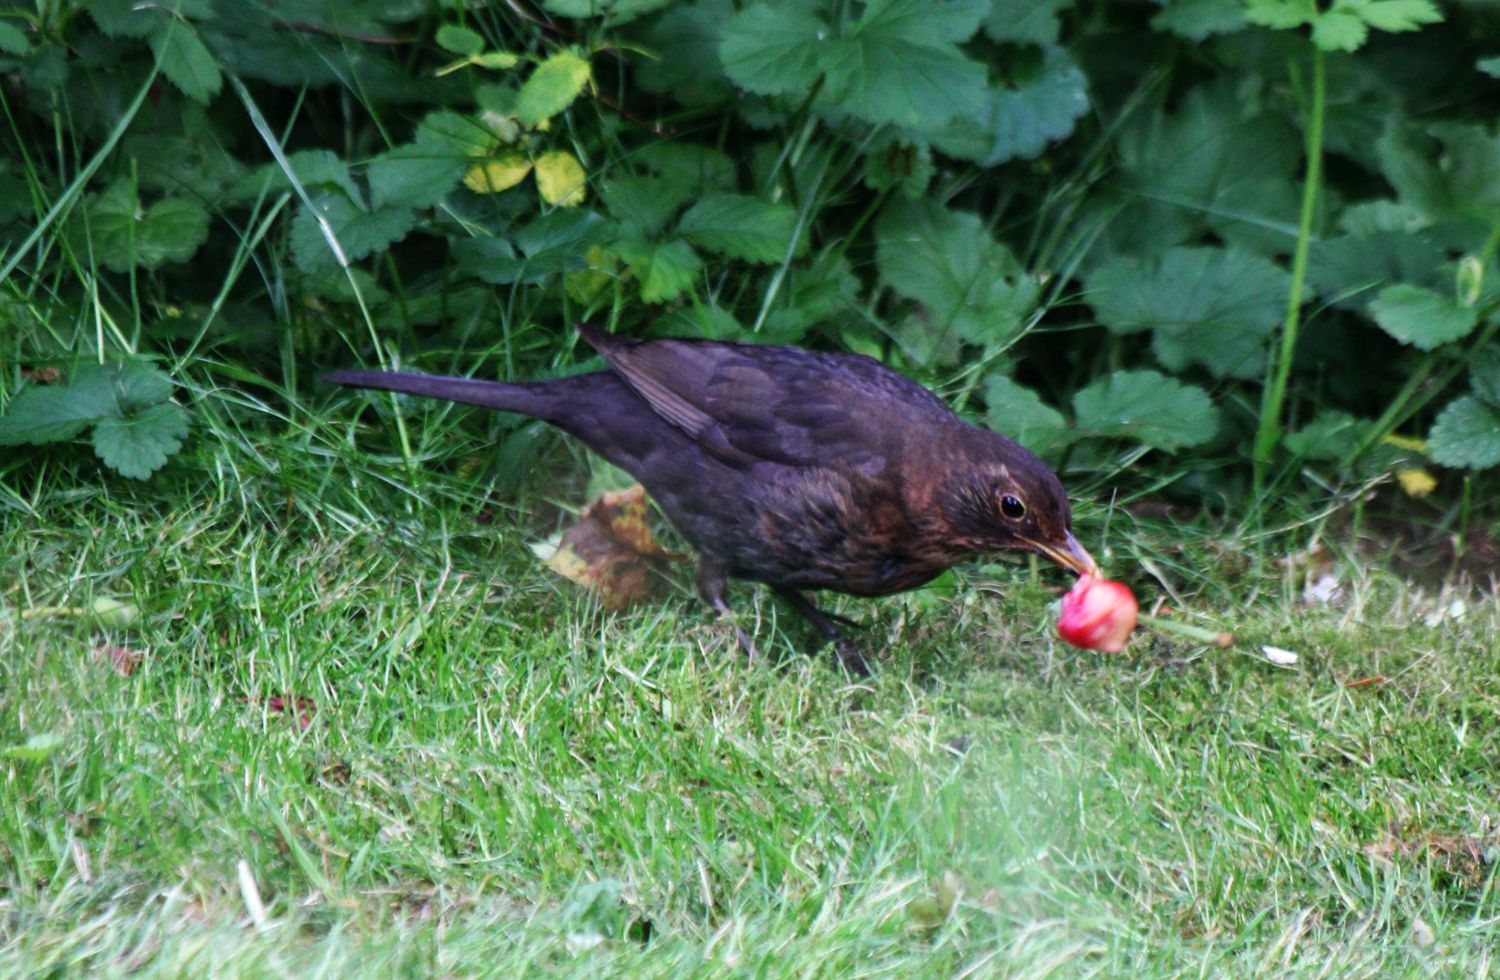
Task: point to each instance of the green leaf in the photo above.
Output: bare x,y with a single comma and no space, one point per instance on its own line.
901,166
312,169
138,445
1197,19
742,227
1489,66
124,18
552,87
697,167
901,64
1024,21
40,415
1466,433
1210,306
949,262
644,202
686,43
459,40
1484,375
186,61
1149,407
1396,15
1347,269
36,748
1020,121
421,173
775,50
1450,171
552,243
1021,414
1332,435
1339,30
1280,15
664,270
615,12
124,235
358,233
12,41
1421,317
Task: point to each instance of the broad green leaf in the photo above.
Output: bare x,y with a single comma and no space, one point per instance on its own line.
776,49
1021,414
664,270
1466,433
1451,171
686,42
312,169
40,414
138,386
1024,21
696,167
560,179
1347,270
644,202
424,171
552,87
1280,15
459,40
1197,19
742,227
1020,120
1484,375
138,444
1396,15
1339,30
553,243
947,261
12,41
124,18
615,12
1210,306
1332,435
124,234
1211,169
357,233
699,320
186,61
1149,407
1421,317
901,166
901,64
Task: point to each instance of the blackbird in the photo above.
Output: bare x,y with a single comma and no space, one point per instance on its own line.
795,468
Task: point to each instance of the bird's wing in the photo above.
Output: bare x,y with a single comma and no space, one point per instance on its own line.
747,403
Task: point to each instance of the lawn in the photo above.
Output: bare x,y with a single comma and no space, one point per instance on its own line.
357,729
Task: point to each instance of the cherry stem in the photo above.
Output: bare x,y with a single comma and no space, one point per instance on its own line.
1217,638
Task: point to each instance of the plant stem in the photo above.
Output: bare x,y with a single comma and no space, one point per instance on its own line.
1216,637
1280,367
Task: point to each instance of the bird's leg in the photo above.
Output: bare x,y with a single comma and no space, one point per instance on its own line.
711,580
843,647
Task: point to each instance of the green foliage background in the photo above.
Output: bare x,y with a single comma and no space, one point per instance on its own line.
1100,227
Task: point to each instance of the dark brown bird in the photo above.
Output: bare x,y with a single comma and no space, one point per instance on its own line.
798,469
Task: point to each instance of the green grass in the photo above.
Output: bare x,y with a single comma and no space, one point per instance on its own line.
494,776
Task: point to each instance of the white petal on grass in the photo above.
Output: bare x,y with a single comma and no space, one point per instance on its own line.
1279,657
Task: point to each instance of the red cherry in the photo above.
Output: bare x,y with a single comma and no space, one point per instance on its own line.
1097,614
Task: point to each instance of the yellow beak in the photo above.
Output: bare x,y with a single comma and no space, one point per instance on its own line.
1071,555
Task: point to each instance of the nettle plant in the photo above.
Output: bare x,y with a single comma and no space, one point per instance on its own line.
1260,232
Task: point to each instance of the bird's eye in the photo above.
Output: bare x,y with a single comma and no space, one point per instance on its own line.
1011,507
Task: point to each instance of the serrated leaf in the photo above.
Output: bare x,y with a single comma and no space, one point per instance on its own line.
686,42
1466,433
552,243
1024,21
560,179
1450,171
742,227
1210,306
901,64
1397,15
1020,120
967,282
459,40
357,233
1339,30
664,270
1347,269
138,445
552,87
124,234
40,415
124,18
1196,20
1484,375
1332,435
775,50
1021,414
644,202
1149,407
311,169
415,175
1421,317
138,386
186,61
1279,14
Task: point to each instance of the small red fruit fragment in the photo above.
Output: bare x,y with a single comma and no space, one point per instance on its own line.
1097,614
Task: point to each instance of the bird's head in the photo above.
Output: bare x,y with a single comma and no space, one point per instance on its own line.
1010,499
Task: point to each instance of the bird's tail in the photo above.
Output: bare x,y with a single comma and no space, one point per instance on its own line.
525,398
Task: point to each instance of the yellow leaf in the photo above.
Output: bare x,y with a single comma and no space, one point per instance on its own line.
1406,442
1416,483
588,284
560,178
497,175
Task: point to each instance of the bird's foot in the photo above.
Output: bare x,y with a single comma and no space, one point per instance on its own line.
849,657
